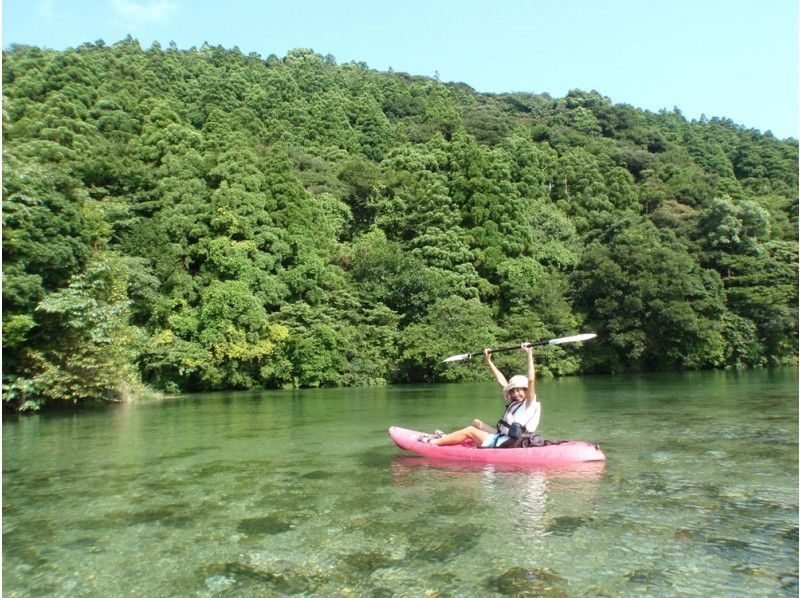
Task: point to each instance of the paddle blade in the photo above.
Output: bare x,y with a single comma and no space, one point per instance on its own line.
572,339
462,357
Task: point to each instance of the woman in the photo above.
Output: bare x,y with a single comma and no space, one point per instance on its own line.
521,414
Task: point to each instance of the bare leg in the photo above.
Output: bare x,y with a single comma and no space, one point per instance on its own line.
476,423
459,436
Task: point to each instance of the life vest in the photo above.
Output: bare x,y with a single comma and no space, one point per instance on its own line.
515,414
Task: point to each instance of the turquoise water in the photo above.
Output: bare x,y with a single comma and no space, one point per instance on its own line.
281,493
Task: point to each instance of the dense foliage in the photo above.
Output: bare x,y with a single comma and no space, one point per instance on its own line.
203,219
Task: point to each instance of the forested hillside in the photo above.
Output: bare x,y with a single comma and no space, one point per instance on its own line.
206,219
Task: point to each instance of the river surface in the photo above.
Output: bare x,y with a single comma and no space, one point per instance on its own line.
302,492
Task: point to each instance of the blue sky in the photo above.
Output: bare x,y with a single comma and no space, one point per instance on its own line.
730,58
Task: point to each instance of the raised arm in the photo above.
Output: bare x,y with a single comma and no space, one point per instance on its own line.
501,379
530,392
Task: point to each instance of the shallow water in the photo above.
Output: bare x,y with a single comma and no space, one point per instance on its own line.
280,493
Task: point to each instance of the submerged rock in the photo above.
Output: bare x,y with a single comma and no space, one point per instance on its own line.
259,574
270,525
685,534
649,578
788,582
439,544
790,536
566,526
520,581
318,474
252,579
727,547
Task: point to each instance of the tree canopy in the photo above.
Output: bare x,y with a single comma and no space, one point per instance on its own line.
201,219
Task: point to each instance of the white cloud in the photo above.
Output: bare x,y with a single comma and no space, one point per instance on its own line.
153,11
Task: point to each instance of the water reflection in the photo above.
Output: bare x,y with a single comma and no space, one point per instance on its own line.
589,470
529,506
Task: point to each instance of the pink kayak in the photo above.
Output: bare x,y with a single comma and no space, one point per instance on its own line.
554,453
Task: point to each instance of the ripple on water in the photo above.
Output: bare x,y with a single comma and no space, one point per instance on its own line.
756,507
681,509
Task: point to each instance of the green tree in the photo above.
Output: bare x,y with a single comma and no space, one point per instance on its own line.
350,208
641,290
451,325
734,227
386,274
92,348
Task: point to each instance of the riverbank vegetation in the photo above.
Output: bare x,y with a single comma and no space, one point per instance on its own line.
204,219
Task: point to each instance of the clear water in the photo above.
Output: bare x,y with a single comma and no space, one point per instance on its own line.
281,493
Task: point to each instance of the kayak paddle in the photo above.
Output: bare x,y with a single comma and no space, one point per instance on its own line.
556,341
